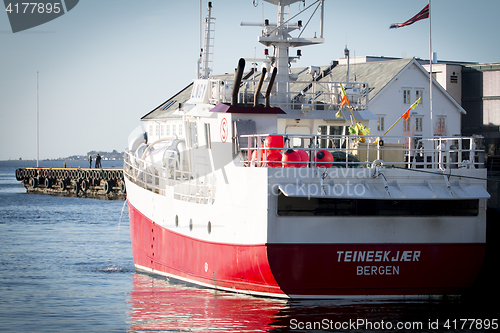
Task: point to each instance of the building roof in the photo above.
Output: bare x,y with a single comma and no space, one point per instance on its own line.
378,75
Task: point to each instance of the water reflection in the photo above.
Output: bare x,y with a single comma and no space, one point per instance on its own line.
160,305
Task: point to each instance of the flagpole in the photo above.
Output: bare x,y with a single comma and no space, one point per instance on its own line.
392,126
430,70
37,121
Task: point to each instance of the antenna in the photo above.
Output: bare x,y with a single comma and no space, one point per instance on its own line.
346,54
37,121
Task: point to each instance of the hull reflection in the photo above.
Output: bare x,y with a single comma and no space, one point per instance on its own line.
163,305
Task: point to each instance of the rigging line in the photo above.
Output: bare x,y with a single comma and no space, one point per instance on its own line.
291,18
319,4
441,174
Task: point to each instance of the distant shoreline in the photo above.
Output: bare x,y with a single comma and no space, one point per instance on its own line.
105,155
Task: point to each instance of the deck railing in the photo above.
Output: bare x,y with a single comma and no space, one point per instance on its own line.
159,179
362,151
300,95
347,151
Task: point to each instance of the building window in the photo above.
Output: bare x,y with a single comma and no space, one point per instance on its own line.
380,122
419,93
418,124
167,130
441,125
406,125
406,96
180,129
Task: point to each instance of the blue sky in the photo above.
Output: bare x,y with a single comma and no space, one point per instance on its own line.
106,63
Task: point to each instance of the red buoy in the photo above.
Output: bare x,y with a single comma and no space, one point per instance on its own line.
304,158
290,157
325,157
274,160
274,143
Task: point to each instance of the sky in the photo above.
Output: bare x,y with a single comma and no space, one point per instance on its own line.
106,63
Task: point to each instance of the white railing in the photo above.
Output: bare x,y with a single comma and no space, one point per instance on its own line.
300,95
162,180
349,151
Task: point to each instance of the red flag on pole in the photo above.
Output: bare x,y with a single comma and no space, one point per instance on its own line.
423,14
406,115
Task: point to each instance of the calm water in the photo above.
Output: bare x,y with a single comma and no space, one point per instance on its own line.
66,266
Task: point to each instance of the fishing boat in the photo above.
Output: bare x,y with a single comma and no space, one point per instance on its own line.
237,183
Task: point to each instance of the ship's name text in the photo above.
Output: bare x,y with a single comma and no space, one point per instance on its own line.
377,256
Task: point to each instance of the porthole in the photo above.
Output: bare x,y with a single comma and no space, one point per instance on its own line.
209,227
176,220
191,224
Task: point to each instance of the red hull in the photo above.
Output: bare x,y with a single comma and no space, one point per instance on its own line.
302,270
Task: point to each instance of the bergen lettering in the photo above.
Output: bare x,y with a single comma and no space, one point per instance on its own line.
377,256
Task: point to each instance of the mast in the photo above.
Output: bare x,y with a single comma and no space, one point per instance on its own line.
278,36
206,57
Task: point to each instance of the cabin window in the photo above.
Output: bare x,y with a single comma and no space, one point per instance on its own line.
294,206
193,135
208,138
299,142
167,129
180,129
406,96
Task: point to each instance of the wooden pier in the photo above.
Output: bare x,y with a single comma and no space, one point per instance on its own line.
75,182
